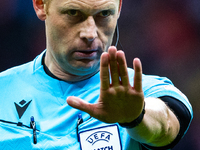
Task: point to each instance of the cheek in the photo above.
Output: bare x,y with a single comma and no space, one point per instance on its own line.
109,28
58,32
57,28
108,33
61,38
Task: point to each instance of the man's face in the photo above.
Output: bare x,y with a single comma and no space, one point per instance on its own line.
78,31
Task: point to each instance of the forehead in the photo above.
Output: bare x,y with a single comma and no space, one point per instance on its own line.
87,4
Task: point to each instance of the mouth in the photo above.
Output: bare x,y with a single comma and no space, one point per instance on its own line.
86,54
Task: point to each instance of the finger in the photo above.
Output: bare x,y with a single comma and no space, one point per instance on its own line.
80,104
113,65
138,74
104,71
123,73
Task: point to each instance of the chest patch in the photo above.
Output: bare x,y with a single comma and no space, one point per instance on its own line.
103,138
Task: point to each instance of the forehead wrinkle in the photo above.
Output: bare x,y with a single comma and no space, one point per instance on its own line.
85,5
94,3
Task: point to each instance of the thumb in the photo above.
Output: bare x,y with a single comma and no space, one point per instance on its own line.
78,103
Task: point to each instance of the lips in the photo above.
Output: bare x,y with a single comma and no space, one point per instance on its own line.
86,54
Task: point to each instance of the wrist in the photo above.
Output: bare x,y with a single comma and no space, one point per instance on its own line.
135,122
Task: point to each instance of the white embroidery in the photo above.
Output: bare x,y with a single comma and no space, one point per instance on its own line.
103,138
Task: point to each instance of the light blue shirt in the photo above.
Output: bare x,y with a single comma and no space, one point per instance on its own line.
27,91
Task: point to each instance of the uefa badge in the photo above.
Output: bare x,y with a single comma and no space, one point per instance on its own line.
103,138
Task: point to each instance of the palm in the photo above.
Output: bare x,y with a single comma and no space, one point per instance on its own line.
118,100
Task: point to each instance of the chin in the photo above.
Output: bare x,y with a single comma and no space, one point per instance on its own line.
86,71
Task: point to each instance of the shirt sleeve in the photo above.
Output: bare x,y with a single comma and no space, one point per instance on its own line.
155,86
163,88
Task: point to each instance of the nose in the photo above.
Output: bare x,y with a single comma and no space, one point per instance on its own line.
89,29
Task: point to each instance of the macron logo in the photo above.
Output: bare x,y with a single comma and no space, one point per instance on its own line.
99,136
22,107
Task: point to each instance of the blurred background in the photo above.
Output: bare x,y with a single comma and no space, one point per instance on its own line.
165,35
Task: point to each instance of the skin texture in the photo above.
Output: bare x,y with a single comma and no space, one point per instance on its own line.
79,34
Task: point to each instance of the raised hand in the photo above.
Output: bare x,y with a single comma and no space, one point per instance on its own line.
118,100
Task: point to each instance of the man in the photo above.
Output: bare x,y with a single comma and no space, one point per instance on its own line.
116,107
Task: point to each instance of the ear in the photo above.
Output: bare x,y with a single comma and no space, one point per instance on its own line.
120,7
39,8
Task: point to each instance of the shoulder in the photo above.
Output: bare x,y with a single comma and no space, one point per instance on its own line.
24,69
15,72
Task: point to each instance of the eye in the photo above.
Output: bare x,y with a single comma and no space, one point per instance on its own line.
105,13
73,12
